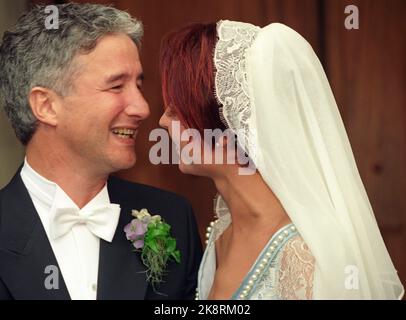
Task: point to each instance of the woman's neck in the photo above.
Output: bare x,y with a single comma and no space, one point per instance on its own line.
251,202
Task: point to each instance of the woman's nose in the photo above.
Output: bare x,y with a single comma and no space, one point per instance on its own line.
163,122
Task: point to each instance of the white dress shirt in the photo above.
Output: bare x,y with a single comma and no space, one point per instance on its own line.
77,252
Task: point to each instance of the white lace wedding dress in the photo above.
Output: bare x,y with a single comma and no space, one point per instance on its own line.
283,270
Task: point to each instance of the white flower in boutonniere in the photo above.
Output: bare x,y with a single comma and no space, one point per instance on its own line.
150,235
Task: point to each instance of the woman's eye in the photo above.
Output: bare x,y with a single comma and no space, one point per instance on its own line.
169,113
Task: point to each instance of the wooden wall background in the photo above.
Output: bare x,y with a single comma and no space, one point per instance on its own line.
366,69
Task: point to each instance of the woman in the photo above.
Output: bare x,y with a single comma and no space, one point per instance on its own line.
301,226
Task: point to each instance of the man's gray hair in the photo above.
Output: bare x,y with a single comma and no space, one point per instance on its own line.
33,55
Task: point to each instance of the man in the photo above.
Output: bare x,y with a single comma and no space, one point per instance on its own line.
73,95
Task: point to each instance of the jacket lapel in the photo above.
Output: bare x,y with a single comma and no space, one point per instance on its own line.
26,254
121,271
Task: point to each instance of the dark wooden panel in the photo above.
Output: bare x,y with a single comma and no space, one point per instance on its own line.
367,68
301,15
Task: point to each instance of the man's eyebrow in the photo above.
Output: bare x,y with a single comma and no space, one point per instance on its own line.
115,77
120,76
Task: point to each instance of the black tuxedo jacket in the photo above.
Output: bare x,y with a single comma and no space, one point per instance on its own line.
25,251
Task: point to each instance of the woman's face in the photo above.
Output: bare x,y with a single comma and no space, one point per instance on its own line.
195,155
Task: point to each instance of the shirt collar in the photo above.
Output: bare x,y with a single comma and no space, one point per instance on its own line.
54,196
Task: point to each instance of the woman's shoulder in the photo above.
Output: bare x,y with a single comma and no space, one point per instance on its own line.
296,249
296,269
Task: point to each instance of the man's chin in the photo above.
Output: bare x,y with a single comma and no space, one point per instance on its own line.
124,163
186,168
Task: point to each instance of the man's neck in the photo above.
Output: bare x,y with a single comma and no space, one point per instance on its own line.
77,181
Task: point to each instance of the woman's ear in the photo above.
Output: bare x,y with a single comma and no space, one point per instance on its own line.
43,103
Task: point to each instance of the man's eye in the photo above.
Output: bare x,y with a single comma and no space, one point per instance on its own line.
118,87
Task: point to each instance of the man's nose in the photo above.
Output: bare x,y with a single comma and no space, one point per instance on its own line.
138,107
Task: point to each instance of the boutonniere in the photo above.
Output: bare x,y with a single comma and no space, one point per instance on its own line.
151,236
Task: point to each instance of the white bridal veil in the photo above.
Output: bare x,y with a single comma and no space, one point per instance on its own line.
271,84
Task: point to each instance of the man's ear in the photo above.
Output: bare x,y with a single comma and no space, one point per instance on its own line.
43,103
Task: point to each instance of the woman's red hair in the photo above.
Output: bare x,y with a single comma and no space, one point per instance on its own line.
187,74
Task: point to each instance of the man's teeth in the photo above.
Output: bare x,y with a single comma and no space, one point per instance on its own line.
124,133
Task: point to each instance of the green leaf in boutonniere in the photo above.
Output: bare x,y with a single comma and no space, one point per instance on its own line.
151,235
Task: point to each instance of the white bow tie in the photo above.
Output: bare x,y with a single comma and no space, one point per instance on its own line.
101,221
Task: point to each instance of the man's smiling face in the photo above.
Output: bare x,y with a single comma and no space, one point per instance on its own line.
99,120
